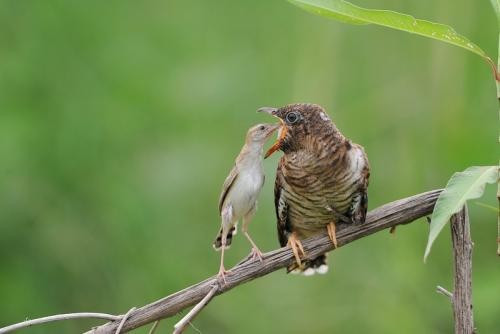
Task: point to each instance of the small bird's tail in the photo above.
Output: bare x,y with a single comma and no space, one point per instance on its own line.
218,240
310,267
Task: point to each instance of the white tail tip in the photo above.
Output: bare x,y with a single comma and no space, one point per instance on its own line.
323,269
308,272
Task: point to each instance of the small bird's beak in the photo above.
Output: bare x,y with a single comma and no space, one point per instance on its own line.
277,144
281,134
268,110
273,128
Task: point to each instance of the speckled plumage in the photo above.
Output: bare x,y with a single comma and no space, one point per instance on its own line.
322,178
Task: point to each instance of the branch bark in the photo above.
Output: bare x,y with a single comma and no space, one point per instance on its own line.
399,212
462,254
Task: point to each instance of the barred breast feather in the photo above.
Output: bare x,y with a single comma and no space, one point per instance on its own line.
310,187
322,178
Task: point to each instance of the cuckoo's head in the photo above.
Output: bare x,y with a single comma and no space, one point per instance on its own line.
299,123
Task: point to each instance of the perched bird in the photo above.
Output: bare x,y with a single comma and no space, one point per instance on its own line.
321,180
238,199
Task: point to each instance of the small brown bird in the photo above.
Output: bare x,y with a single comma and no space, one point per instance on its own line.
322,179
241,188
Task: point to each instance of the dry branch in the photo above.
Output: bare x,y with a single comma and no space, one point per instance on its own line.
123,319
182,324
462,254
399,212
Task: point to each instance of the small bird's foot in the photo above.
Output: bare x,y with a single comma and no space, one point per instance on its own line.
331,233
296,246
222,274
256,254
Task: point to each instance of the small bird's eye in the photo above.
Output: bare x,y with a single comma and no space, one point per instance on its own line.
262,127
292,117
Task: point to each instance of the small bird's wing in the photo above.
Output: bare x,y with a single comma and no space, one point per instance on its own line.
226,187
281,206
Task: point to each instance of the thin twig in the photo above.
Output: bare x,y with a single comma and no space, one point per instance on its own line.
443,291
124,318
188,318
153,329
194,327
399,212
58,317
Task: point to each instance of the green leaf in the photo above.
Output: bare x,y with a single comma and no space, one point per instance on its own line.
462,186
348,13
496,8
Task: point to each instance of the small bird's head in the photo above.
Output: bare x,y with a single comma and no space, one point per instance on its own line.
260,133
298,122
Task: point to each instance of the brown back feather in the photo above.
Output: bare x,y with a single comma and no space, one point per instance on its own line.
226,187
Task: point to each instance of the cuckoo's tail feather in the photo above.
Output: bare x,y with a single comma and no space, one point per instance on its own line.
310,267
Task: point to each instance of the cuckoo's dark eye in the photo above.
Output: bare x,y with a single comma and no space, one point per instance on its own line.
262,127
292,117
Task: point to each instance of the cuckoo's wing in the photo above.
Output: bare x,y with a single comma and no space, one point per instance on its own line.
226,187
281,207
359,204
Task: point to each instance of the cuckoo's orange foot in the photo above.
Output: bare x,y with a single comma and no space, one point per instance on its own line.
331,233
297,248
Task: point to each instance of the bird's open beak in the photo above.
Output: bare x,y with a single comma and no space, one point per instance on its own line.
277,144
268,110
282,131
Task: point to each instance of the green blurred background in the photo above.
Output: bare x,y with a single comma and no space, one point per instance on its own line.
119,121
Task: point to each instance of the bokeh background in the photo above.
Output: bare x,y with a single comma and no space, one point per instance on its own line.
119,121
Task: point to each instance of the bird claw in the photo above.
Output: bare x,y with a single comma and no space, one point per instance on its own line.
256,254
332,234
222,274
296,246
